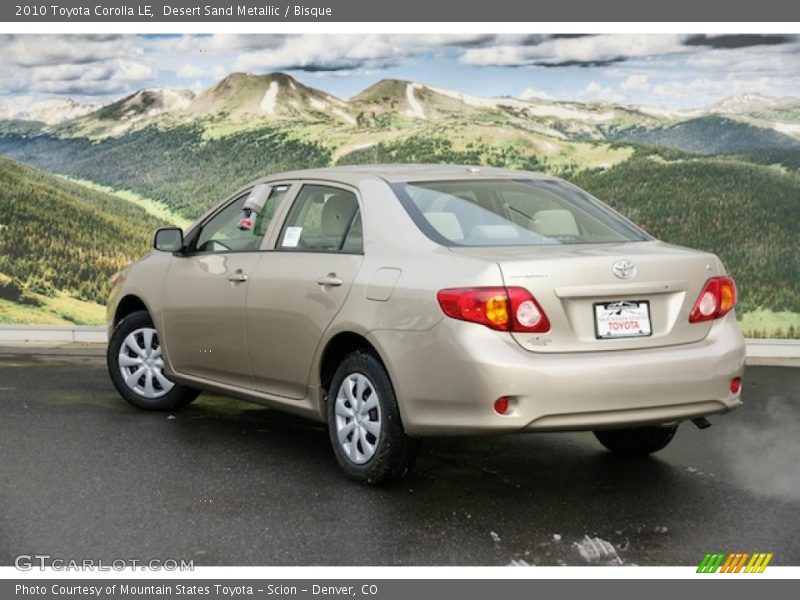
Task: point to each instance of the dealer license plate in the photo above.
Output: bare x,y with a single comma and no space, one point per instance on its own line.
622,319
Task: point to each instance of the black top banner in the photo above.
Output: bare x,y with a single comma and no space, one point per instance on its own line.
177,11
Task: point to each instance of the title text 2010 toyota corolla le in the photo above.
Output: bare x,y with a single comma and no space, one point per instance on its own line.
404,301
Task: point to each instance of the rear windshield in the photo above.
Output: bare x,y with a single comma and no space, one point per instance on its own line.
509,212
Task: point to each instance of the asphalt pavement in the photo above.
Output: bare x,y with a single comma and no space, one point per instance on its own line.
85,475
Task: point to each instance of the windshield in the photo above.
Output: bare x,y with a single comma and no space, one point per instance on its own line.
508,212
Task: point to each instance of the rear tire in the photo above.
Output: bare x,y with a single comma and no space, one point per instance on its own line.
134,348
364,423
637,441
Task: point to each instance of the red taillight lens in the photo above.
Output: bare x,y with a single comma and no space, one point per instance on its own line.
505,309
716,300
736,385
501,405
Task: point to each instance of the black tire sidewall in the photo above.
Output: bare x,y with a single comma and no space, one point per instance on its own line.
177,397
396,452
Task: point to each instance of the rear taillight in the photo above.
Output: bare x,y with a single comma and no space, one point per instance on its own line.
505,309
716,300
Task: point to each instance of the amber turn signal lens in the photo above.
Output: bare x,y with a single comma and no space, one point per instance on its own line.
496,310
716,299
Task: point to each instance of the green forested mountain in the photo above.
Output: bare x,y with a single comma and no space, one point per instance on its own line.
177,167
60,238
709,135
786,158
749,215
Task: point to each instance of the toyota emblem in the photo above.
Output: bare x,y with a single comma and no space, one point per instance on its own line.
624,269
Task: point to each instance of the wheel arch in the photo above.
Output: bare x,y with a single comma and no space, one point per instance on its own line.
129,304
336,348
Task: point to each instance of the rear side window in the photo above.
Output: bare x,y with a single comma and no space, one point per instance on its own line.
508,212
322,219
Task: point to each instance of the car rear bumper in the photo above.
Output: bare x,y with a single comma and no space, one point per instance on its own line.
448,378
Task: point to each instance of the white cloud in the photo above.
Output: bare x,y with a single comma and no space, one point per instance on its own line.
345,52
532,94
191,71
79,65
595,91
223,42
636,83
754,60
34,50
111,76
732,85
582,50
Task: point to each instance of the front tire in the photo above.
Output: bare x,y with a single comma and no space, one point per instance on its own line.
136,366
364,423
637,441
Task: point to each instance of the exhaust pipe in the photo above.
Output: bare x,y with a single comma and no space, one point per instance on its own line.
701,423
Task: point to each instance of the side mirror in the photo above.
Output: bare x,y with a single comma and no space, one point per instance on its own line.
168,239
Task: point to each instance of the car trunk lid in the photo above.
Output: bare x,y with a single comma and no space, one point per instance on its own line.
587,290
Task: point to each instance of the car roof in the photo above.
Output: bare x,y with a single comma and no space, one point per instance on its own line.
406,172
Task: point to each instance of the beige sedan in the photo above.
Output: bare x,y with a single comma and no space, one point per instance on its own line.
395,302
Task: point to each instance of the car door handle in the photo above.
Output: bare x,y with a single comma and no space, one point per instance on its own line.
238,277
330,280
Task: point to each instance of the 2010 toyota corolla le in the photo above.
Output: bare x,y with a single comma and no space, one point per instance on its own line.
395,302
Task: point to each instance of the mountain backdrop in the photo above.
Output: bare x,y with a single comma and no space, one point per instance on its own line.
724,178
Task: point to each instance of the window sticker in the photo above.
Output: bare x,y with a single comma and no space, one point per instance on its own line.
291,237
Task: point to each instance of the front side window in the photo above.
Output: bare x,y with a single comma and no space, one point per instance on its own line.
509,212
322,219
223,233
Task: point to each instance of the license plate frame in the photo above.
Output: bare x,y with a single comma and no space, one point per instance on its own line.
604,333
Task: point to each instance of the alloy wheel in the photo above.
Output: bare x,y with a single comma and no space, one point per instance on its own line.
142,364
358,418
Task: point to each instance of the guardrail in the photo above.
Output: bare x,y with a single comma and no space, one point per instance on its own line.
759,352
11,335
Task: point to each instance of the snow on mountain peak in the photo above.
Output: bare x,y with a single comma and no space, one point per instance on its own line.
51,111
745,103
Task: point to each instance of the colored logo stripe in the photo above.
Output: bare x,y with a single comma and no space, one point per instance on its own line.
734,562
711,562
758,563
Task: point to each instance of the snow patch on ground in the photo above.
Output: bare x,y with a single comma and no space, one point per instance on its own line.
318,104
542,108
49,111
174,99
787,128
271,95
597,551
563,112
344,116
663,113
481,102
120,129
414,107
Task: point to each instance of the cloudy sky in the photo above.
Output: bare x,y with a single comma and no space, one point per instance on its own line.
673,71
